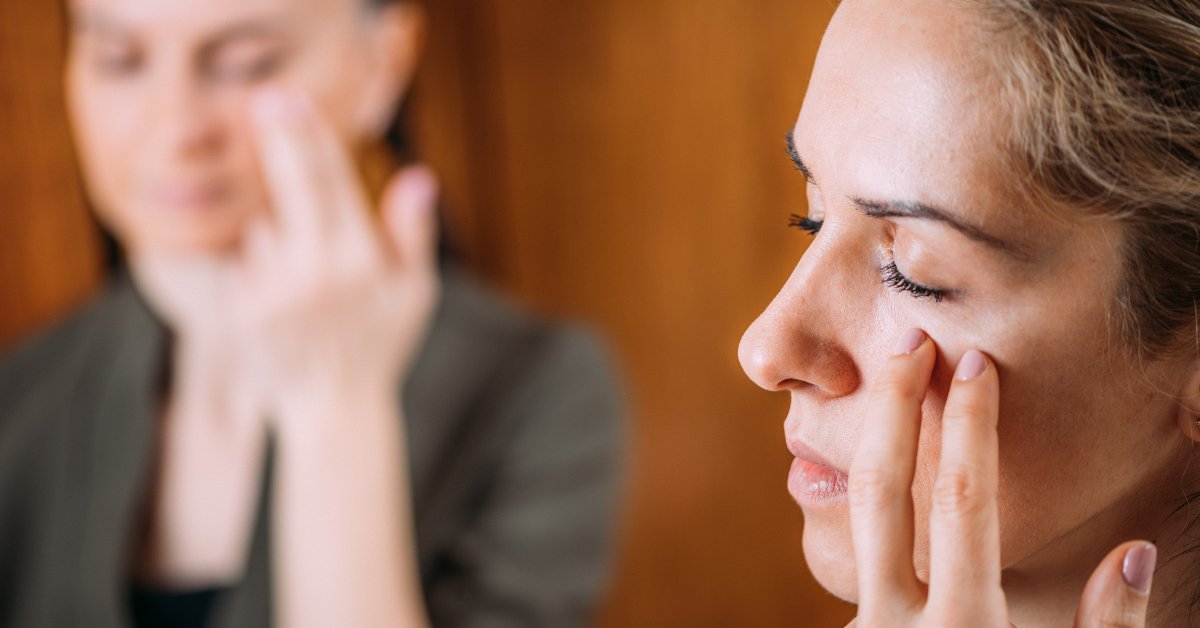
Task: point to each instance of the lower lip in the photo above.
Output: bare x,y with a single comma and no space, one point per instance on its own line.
188,199
813,484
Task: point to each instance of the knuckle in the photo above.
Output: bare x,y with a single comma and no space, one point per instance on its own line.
871,487
957,414
964,414
944,611
960,492
1122,613
894,384
878,616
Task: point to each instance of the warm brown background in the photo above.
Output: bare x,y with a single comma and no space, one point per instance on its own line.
616,160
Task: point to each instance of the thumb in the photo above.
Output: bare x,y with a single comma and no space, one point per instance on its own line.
1119,589
410,218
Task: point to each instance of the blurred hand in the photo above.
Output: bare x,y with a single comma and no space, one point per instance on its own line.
321,298
332,303
964,574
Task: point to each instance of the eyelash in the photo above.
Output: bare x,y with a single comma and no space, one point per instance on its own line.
892,277
806,224
252,72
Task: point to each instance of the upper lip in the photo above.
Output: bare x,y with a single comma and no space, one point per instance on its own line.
804,452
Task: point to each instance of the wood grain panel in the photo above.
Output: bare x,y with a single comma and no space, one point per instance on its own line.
627,166
50,259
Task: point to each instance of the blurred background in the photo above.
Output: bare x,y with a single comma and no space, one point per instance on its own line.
618,161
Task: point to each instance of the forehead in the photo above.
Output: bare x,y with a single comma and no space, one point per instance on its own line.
176,18
903,103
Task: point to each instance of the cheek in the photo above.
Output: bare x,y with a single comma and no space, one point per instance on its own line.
334,76
239,154
105,122
1072,446
1048,484
925,473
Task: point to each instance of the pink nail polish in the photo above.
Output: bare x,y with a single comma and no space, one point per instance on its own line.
275,103
972,365
1138,567
420,186
910,341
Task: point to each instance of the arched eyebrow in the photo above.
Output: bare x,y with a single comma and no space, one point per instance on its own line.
911,209
795,156
90,21
254,28
924,211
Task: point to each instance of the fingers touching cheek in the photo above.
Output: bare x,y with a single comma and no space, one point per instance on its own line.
963,526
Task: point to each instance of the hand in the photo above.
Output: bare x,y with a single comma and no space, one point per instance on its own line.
964,572
334,305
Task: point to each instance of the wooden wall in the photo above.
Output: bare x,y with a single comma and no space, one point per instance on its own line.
50,256
616,160
624,161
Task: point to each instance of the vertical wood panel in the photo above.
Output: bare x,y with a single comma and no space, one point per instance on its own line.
50,257
628,167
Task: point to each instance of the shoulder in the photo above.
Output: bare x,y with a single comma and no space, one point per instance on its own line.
46,369
492,373
549,382
46,358
479,334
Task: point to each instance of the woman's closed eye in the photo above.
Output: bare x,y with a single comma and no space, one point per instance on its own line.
114,60
894,279
890,273
245,62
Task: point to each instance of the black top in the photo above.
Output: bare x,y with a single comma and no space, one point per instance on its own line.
163,608
514,443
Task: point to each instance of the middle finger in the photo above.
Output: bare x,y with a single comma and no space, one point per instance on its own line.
964,522
309,174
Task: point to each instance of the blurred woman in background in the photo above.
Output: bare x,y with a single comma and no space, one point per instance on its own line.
286,410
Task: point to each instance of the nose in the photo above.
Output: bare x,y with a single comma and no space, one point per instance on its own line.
798,342
183,122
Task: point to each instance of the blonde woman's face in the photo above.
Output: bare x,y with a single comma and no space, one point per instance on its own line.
920,226
158,95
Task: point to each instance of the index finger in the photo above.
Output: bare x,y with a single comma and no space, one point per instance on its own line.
880,491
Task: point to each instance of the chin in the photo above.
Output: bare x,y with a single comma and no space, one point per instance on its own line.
200,242
829,552
211,233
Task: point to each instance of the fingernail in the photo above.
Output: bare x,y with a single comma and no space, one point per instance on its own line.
972,365
1139,566
274,103
910,341
422,186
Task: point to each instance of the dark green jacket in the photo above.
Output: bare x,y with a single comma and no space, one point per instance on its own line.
514,433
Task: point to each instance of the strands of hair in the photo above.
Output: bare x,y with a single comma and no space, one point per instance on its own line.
1108,95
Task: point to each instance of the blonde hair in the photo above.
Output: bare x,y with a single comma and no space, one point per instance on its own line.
1107,121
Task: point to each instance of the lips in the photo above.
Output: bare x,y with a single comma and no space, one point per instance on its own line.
813,480
187,195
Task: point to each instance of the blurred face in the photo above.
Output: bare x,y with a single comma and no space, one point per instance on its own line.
900,139
158,95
